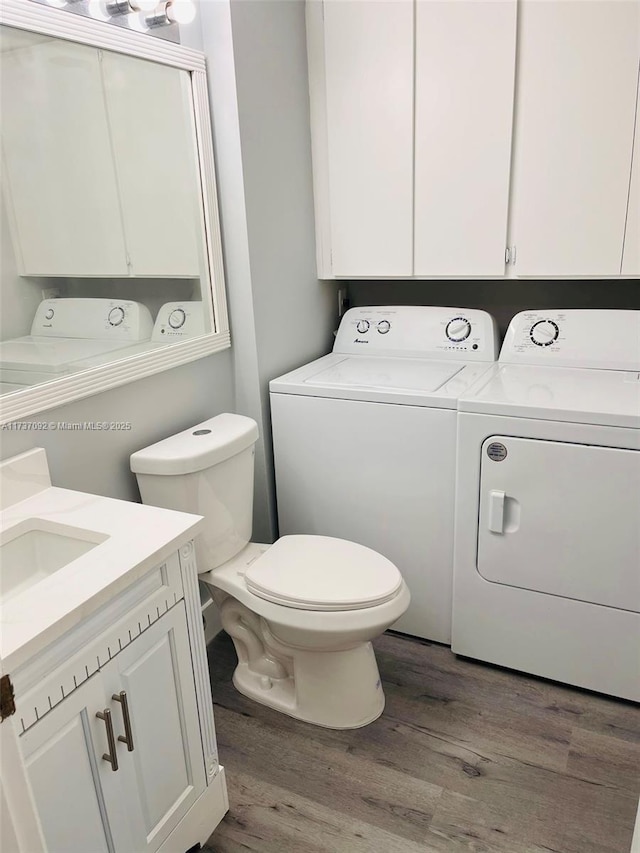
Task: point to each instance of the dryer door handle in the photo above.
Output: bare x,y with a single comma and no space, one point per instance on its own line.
496,511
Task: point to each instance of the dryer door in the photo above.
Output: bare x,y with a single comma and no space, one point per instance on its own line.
562,519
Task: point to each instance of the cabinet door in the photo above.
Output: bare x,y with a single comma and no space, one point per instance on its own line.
58,164
368,85
465,67
631,252
77,794
164,774
575,97
156,163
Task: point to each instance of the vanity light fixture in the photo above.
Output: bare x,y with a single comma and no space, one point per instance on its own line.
144,13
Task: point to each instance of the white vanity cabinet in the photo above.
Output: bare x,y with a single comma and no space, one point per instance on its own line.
117,738
100,170
575,111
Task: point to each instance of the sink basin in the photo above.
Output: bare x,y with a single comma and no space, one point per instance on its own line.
37,548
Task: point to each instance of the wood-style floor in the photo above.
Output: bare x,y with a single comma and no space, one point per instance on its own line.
466,757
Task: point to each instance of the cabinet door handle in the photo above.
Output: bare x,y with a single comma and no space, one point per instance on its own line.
110,756
127,737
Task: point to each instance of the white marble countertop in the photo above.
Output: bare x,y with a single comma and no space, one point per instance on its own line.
139,538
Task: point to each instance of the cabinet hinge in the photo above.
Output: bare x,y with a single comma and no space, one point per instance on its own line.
510,255
7,698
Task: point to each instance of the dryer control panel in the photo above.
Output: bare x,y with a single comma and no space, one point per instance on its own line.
417,331
593,338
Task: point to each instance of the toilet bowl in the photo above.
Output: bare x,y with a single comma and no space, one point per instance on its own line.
302,612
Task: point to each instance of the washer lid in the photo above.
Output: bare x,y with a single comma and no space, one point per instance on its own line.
400,374
323,573
53,355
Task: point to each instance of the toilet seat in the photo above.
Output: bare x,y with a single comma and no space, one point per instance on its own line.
324,574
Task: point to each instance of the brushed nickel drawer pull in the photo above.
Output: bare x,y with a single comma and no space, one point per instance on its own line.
110,756
127,737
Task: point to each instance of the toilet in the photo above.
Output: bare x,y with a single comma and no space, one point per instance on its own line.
302,612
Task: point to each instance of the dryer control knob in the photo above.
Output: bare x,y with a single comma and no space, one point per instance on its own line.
362,326
544,333
384,326
458,329
116,316
177,318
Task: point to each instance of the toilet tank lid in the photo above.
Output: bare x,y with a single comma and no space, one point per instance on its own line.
198,447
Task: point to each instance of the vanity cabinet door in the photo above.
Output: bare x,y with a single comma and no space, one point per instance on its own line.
78,796
164,774
58,171
575,110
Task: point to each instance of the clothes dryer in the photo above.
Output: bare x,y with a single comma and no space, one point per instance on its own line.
547,541
364,442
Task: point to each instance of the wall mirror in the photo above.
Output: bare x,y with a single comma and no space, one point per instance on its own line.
111,264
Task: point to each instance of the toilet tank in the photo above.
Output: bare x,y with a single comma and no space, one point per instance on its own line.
206,470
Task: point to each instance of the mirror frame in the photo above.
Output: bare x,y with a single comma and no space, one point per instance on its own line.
51,21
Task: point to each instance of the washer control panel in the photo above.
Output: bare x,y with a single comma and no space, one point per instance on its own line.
93,319
418,330
607,339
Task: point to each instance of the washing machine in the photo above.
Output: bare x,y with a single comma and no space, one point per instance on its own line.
70,334
547,532
365,442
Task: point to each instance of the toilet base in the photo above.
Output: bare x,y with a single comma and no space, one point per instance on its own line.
337,690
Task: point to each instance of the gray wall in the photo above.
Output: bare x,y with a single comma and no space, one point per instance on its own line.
281,316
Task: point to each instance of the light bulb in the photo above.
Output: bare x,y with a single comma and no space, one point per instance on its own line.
137,22
98,10
180,11
143,5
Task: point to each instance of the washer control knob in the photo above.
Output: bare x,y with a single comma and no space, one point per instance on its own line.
384,326
177,318
48,314
362,326
116,316
544,333
458,329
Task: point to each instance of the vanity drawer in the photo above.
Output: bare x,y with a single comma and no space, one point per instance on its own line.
68,662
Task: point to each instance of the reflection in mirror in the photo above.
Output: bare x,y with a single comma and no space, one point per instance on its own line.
103,248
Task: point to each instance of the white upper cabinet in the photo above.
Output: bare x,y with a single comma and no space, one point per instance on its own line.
445,132
59,174
361,81
631,251
156,165
100,163
465,68
573,136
